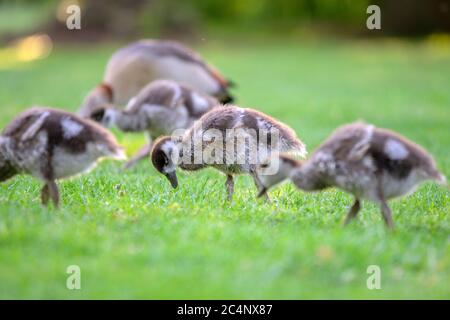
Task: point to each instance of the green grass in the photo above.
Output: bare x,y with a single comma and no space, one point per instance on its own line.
135,237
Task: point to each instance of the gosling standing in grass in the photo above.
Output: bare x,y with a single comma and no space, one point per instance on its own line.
160,108
134,66
369,162
51,145
230,139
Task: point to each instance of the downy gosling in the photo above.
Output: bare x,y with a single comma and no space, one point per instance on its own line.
369,162
159,109
230,139
51,145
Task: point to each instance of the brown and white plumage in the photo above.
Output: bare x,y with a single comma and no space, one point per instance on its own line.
50,145
240,137
368,162
160,108
134,66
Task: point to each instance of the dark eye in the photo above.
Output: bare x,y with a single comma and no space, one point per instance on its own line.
265,165
98,115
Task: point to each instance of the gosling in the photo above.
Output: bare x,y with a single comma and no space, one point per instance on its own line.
51,145
370,163
160,108
134,66
230,139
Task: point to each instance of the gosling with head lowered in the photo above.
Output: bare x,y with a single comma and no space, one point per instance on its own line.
51,145
368,162
160,108
229,139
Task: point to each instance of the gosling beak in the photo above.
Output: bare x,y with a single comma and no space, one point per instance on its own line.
262,192
172,177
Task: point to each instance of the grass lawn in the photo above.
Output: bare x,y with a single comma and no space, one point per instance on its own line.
135,237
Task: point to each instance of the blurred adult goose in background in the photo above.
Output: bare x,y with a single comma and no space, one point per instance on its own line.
134,66
230,139
368,162
159,108
51,145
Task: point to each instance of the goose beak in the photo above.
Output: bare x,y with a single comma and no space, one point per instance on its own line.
262,192
172,177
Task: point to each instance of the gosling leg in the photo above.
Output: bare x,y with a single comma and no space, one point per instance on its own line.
353,212
53,192
229,184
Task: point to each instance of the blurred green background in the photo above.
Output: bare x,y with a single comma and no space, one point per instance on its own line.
121,19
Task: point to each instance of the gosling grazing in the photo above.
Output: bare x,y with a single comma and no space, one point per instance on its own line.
51,145
160,108
368,162
134,66
228,138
